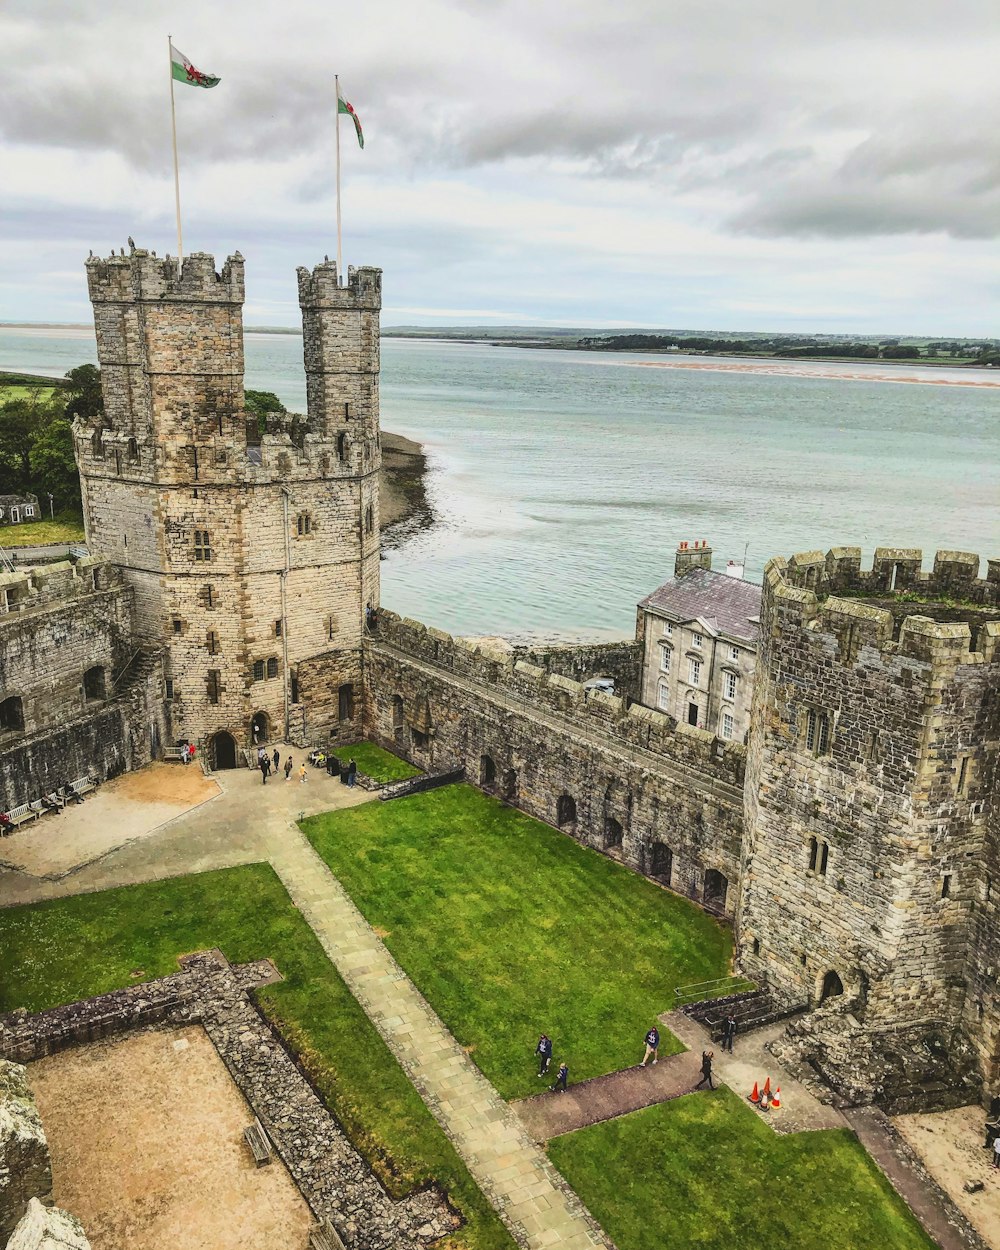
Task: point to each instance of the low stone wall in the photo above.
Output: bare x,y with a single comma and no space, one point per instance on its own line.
48,1228
582,661
333,1178
25,1168
664,798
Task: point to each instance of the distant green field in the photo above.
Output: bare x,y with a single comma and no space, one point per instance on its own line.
66,528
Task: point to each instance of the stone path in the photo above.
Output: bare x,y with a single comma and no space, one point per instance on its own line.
548,1114
529,1194
801,1111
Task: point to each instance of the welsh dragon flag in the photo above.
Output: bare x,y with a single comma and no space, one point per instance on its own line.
184,71
344,107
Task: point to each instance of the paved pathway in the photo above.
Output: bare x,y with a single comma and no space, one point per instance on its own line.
529,1194
548,1114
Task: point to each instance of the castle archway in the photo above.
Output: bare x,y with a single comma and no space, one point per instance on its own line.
510,784
715,890
832,986
613,833
487,771
260,729
222,750
565,811
661,862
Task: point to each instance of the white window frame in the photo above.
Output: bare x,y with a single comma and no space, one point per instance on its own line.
728,725
666,654
694,672
663,697
29,510
15,515
696,640
734,653
668,629
729,684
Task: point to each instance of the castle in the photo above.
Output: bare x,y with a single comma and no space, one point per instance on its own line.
853,841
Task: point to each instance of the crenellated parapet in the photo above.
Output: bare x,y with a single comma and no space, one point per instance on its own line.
142,275
51,585
592,711
321,287
895,571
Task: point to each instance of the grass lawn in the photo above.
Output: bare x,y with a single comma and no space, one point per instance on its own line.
66,528
703,1171
376,763
510,928
76,947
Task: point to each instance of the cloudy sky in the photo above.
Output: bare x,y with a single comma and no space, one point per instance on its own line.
725,164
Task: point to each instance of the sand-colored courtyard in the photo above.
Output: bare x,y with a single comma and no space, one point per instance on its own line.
146,1136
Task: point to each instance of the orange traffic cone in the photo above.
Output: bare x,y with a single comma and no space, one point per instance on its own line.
767,1088
776,1100
755,1096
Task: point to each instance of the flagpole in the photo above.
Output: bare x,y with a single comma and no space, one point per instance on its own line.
340,236
173,129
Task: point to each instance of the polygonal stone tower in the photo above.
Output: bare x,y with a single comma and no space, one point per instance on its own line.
871,854
253,548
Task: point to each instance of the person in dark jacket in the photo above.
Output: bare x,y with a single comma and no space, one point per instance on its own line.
265,768
652,1046
352,772
275,760
562,1079
544,1052
706,1068
729,1032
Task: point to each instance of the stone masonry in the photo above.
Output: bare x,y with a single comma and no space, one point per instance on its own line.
48,1228
870,851
25,1170
252,552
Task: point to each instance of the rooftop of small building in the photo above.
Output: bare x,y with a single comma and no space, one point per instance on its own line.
729,605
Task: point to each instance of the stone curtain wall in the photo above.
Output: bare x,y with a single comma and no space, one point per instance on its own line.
897,803
581,661
637,781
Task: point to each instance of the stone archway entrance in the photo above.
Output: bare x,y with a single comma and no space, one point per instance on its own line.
715,890
260,729
223,750
832,986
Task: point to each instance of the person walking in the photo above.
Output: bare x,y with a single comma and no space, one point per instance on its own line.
729,1032
352,772
562,1079
706,1068
544,1052
277,759
289,765
996,1151
302,774
652,1046
264,764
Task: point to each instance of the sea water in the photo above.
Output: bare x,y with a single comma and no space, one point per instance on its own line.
563,481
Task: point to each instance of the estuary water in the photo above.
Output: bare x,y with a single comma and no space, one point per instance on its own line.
563,481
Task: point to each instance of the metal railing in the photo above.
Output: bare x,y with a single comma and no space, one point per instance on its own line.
722,987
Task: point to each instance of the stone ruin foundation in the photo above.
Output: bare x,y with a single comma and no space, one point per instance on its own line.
335,1181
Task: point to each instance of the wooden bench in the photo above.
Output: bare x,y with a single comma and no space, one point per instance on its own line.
51,802
18,815
81,786
325,1237
256,1139
174,753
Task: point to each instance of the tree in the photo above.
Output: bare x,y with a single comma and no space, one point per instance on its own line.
53,466
86,399
21,421
259,404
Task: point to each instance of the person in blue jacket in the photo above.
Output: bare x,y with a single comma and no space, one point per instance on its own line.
652,1046
544,1052
562,1079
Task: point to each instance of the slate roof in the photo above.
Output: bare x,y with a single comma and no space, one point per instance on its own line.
726,604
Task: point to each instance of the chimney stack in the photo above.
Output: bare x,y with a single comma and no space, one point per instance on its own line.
696,555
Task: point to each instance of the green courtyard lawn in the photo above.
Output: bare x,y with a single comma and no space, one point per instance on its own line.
704,1172
67,527
72,948
374,762
510,928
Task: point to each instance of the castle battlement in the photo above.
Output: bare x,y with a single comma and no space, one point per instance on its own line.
143,276
592,710
52,585
895,571
321,288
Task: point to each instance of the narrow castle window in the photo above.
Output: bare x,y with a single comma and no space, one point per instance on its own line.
295,689
277,629
213,642
347,411
341,446
213,685
97,445
272,666
946,886
208,596
303,524
258,670
345,702
178,625
169,688
133,451
817,732
813,854
963,774
202,546
331,627
755,947
369,519
824,859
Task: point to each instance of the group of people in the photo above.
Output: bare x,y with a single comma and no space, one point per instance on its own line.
652,1054
268,763
187,752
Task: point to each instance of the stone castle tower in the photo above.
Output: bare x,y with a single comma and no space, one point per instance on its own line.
254,552
872,845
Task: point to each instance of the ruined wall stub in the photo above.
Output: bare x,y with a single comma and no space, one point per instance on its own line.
25,1168
252,551
870,784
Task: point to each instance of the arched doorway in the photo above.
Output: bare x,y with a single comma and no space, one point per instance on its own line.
565,811
832,986
487,771
260,729
223,750
661,862
510,785
716,888
613,833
